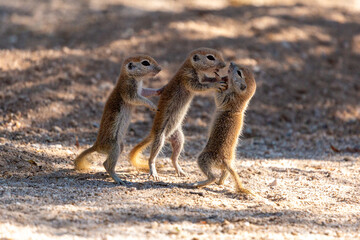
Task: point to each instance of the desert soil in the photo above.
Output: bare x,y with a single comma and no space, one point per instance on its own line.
300,151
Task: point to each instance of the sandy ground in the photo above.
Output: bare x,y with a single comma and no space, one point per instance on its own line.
300,151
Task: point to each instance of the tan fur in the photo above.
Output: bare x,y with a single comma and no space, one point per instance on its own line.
227,125
117,112
173,106
134,154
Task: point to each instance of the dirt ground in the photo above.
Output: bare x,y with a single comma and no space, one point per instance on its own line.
300,150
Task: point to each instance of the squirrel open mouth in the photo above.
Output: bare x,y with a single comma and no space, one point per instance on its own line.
225,79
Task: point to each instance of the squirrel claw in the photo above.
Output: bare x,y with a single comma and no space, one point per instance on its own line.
154,177
181,173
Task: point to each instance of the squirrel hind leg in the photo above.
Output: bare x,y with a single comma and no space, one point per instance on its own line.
202,184
205,167
238,184
156,147
224,175
111,161
177,140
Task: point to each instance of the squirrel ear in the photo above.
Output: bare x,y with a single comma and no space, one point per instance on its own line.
196,58
130,66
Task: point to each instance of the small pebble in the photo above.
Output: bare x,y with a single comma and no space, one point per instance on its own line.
67,151
35,145
73,123
349,159
256,68
273,183
56,129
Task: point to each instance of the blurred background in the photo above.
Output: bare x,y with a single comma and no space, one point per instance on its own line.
59,60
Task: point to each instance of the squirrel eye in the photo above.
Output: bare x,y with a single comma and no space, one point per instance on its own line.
210,57
145,63
240,74
130,66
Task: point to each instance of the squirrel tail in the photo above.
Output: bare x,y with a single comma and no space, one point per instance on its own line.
135,161
81,162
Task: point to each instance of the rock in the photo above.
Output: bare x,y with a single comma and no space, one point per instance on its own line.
67,151
247,133
128,33
273,183
35,145
106,86
349,159
256,68
93,81
226,222
6,194
73,123
13,39
338,234
200,122
56,146
17,124
56,129
286,44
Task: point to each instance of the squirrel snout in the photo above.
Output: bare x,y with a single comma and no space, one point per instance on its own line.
222,64
231,67
242,86
157,68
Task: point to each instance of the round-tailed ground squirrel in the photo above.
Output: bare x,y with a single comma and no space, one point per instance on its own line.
173,105
227,125
115,120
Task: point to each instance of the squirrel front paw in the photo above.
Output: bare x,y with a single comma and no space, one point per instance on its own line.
221,86
153,107
160,90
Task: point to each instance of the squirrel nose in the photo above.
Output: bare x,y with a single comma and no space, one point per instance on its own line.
243,87
158,68
222,64
232,66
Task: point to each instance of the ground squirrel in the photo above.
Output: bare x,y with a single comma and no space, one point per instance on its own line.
115,120
173,106
231,104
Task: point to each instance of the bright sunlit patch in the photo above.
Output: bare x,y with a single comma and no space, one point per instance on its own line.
349,113
294,34
356,44
204,30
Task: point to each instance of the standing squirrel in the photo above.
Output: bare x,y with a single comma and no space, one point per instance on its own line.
115,120
173,105
227,125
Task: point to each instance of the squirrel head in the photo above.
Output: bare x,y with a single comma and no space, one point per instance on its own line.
241,81
139,66
206,60
241,88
